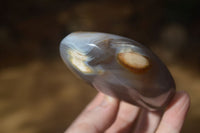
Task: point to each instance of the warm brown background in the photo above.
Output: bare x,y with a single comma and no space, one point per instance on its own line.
38,94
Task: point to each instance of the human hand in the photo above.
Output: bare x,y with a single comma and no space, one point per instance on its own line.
109,115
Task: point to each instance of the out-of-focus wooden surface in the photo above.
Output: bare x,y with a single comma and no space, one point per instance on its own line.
40,97
38,94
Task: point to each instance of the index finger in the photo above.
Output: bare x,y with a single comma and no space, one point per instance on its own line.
97,116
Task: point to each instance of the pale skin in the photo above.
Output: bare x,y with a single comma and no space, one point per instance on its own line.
105,114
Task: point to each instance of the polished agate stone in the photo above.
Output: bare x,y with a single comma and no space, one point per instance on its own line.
119,67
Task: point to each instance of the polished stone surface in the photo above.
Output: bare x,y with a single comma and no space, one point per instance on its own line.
119,67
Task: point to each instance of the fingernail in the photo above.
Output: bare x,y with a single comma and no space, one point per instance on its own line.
184,101
107,101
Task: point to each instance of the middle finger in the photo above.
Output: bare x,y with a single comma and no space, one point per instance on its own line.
126,117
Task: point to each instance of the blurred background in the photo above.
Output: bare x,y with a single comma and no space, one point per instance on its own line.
38,94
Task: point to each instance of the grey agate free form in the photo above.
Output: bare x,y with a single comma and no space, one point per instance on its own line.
119,67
